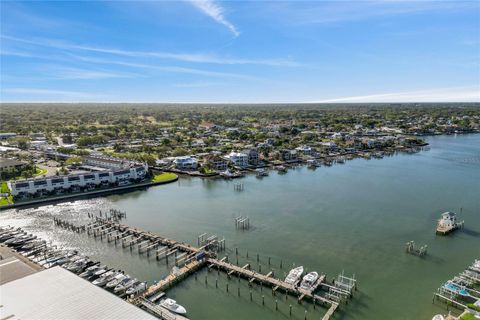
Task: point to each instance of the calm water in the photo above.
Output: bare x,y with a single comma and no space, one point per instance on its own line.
355,217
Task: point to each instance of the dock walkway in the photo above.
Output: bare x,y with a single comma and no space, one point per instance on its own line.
172,278
275,283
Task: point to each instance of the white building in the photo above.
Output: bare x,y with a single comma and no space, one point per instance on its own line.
185,163
106,162
239,159
91,179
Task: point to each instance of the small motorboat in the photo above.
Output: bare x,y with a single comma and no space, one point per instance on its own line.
173,306
438,317
261,172
294,275
309,280
281,169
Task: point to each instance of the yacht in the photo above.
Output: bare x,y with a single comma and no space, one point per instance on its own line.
261,172
294,275
104,278
172,305
90,271
136,288
312,163
124,285
116,280
32,244
309,280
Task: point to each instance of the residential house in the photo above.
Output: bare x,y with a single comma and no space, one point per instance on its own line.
288,155
185,163
215,162
253,156
239,159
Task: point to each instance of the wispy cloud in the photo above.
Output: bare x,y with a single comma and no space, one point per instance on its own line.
55,94
335,12
200,84
184,57
61,72
173,69
212,9
453,94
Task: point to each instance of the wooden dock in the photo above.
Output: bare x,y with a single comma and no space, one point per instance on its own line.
193,258
172,278
276,284
145,240
268,280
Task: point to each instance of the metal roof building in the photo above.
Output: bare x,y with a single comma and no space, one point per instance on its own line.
59,294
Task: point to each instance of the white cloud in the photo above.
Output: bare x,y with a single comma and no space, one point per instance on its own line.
212,9
454,94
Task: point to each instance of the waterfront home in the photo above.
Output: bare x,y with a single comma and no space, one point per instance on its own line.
185,163
305,150
215,162
253,156
288,155
238,159
331,146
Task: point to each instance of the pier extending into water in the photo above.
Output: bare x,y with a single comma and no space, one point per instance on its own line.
188,259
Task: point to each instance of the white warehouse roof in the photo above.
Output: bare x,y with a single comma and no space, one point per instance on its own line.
59,294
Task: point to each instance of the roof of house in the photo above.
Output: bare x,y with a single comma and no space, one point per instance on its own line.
4,162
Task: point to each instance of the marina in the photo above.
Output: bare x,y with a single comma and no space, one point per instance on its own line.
192,259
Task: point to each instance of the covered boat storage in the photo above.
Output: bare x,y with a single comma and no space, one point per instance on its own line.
59,294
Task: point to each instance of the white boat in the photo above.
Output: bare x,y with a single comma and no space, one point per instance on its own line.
261,172
100,271
136,288
116,280
124,285
309,280
438,317
173,306
104,278
294,275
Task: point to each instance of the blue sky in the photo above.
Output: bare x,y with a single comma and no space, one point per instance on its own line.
240,51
